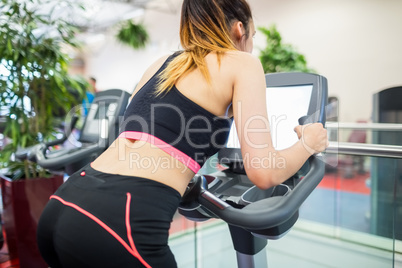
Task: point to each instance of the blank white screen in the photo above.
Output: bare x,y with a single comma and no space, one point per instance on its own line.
285,105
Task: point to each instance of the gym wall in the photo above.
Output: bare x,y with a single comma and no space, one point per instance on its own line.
355,44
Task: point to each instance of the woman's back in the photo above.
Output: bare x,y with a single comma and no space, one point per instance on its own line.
216,97
131,156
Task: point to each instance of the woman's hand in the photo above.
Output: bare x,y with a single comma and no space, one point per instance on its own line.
313,137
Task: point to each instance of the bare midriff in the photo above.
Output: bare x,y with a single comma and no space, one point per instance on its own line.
137,158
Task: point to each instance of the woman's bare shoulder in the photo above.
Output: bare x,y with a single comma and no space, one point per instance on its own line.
158,63
151,70
238,60
239,64
241,57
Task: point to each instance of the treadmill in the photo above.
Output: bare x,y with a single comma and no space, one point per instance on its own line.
254,215
99,130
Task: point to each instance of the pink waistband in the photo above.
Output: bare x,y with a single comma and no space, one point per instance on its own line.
179,155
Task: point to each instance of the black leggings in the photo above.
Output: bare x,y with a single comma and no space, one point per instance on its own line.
105,220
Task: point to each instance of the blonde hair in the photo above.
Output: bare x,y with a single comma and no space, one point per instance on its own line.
204,27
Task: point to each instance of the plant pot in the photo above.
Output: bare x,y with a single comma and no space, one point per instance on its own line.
23,203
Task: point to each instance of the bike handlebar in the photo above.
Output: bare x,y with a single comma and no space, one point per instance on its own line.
269,212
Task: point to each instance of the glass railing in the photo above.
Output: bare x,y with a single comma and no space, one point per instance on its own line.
360,197
358,201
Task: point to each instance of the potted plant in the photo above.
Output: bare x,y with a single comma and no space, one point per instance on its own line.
36,92
280,57
132,34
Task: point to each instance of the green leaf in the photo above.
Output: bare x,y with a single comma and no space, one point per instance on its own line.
279,57
133,35
38,73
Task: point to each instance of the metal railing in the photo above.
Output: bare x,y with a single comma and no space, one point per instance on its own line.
364,126
365,149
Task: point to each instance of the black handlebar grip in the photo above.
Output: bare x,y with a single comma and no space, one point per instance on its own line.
303,120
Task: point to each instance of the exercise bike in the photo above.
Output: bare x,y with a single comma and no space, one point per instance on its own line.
254,215
99,129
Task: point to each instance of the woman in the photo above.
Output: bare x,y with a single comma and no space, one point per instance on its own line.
117,211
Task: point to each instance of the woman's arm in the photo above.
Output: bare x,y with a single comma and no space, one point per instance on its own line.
264,165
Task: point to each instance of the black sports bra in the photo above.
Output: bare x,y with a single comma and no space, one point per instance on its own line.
175,124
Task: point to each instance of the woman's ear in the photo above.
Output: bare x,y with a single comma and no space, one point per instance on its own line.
238,30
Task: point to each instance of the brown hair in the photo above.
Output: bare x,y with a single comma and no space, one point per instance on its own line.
204,27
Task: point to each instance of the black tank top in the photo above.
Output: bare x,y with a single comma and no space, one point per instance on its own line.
174,123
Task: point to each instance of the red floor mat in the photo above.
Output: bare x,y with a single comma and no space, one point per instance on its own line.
356,184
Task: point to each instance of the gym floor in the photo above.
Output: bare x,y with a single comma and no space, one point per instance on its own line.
297,249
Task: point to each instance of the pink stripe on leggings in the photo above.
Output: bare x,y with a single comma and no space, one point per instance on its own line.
132,249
